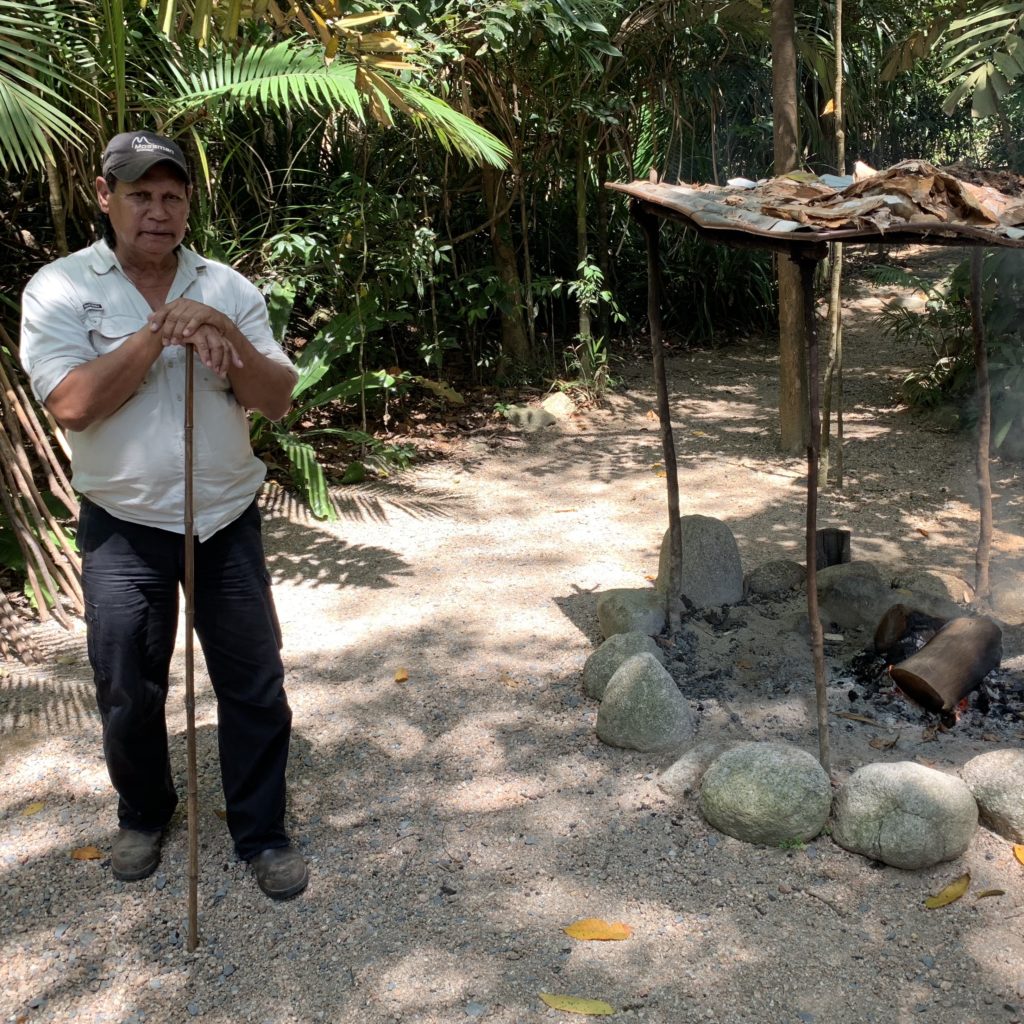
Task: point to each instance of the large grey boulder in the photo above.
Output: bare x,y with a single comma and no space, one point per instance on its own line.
904,814
683,776
766,793
996,780
631,611
854,595
643,708
774,578
935,592
711,571
608,658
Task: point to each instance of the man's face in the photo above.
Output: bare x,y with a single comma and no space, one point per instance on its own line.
148,215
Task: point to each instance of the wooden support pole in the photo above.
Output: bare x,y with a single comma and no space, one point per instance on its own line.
982,583
814,440
651,228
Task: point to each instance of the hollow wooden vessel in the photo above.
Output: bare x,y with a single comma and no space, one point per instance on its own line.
951,664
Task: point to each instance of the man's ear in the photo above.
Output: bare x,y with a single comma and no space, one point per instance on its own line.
103,194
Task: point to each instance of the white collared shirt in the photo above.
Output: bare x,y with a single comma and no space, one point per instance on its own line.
132,463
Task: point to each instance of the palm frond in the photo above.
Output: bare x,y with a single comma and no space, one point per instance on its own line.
292,76
285,76
984,54
34,111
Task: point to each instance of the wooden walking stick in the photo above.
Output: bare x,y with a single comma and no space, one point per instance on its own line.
190,693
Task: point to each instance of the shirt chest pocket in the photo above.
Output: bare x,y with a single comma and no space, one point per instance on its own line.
108,331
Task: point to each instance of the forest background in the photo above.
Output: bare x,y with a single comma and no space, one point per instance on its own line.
418,191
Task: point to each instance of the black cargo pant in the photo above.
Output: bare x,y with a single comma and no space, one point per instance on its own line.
131,576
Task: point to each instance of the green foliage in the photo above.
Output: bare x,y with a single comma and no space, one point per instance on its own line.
943,328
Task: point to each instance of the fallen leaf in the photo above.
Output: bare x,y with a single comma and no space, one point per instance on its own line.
950,894
990,892
576,1004
661,473
924,533
744,664
1018,852
929,734
990,737
648,576
651,414
401,676
700,433
926,761
594,929
86,853
881,743
33,808
856,718
221,813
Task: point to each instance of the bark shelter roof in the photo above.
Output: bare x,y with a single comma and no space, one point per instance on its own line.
912,201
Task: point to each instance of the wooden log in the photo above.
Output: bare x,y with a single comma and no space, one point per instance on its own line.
831,547
951,664
898,622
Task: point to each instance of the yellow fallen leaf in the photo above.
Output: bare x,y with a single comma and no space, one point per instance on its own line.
32,808
990,892
661,473
221,813
700,433
86,853
576,1004
648,576
594,929
950,894
401,676
1018,852
651,414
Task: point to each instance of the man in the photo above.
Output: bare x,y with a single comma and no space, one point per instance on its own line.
105,335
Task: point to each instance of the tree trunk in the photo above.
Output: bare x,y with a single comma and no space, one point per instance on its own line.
834,370
601,229
582,248
793,425
515,345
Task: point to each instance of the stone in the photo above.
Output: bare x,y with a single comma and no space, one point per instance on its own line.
631,611
606,660
774,578
683,776
529,417
643,708
768,793
935,591
904,814
711,573
855,596
996,780
559,405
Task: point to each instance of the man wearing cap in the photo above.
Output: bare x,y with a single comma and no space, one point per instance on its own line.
105,335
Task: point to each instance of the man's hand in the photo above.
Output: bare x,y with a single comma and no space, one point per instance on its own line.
215,351
177,321
187,322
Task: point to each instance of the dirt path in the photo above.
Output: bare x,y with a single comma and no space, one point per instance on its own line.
455,821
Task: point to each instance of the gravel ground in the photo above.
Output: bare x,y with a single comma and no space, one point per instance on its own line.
454,822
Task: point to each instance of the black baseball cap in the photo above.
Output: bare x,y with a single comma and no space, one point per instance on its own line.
130,155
